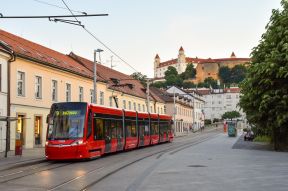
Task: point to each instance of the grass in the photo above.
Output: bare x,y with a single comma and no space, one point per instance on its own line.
264,139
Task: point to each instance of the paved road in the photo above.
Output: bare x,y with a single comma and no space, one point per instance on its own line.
211,165
203,162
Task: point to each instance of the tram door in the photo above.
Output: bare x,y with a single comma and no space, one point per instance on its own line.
120,138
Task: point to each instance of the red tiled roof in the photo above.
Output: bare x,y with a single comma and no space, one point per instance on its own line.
202,60
30,50
181,49
157,56
232,90
106,73
233,55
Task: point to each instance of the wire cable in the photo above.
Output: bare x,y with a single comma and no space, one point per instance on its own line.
97,39
53,5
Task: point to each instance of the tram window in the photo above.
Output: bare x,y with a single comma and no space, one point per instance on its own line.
98,129
130,128
119,129
113,129
133,129
154,127
107,128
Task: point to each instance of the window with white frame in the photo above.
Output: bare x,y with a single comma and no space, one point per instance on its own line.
38,87
158,110
161,110
20,83
134,106
139,107
143,108
164,109
68,92
54,90
151,109
129,105
101,98
81,94
124,104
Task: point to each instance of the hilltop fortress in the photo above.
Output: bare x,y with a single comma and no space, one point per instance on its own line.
204,67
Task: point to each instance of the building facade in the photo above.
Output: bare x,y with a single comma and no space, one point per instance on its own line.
219,101
5,57
204,67
181,109
40,77
197,103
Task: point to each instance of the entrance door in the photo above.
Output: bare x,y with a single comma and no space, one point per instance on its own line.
20,130
37,130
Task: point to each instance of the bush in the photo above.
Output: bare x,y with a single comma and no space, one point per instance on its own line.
216,120
207,121
264,138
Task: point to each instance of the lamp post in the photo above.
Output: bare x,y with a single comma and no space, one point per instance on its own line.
95,74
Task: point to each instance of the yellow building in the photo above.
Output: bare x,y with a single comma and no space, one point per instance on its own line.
40,76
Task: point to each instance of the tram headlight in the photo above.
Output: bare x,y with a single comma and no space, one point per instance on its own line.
77,142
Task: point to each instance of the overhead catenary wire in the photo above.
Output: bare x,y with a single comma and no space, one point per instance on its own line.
53,5
97,39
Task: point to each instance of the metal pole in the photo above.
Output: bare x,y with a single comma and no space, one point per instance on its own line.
7,137
174,111
148,93
95,78
194,120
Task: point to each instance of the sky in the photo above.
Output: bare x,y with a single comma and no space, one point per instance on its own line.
138,30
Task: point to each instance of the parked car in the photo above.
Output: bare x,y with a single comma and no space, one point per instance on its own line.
249,136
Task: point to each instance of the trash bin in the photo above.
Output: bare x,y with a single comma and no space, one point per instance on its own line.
232,130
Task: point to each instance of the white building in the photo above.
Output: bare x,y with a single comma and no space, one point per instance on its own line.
5,56
219,101
197,103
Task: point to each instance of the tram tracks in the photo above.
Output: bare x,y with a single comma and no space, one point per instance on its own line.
106,166
168,150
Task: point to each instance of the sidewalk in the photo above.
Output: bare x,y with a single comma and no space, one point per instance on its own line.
29,156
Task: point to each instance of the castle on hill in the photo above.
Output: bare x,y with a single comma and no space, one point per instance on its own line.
204,67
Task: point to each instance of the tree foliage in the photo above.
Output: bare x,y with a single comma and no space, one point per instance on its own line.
265,88
172,78
139,76
233,75
231,115
190,72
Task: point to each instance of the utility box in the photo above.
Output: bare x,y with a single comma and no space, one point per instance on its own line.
18,147
232,128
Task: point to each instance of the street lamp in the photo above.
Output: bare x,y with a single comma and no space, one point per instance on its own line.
95,73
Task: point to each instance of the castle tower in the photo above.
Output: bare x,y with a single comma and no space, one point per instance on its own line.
233,55
181,56
156,65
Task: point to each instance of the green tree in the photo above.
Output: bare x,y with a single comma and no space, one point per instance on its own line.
172,77
225,74
238,73
139,76
231,115
210,82
159,84
265,88
190,72
188,84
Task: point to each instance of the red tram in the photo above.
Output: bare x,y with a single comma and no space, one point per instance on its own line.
78,130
